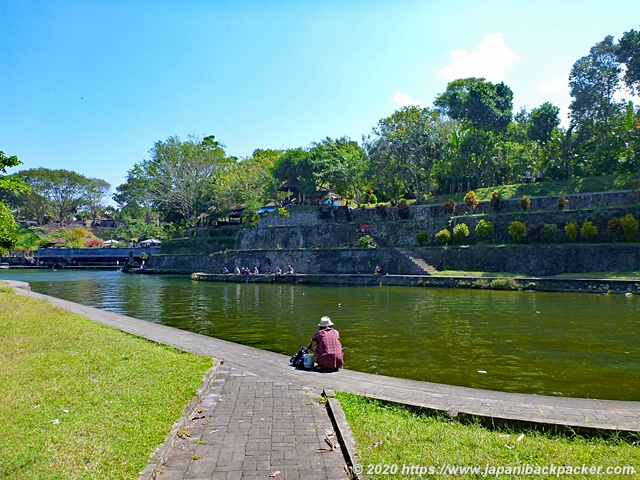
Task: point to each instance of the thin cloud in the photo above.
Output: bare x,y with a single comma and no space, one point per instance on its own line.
404,100
561,84
491,59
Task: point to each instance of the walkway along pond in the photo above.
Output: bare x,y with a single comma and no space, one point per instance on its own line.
578,345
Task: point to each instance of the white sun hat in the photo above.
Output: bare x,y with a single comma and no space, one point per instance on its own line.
325,322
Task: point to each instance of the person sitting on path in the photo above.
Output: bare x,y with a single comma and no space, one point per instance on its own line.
325,344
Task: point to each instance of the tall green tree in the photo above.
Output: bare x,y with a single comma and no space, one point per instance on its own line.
628,54
56,194
485,109
404,147
249,182
9,185
179,174
295,167
542,128
132,199
95,196
339,165
594,81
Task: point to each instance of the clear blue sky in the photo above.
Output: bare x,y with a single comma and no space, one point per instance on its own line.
91,85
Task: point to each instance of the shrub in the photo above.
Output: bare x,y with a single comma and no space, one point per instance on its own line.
471,200
369,196
78,233
484,229
517,230
422,238
92,243
503,284
525,203
460,232
629,227
251,220
283,212
549,232
381,210
615,229
449,207
571,230
364,241
496,200
562,202
403,209
588,230
443,236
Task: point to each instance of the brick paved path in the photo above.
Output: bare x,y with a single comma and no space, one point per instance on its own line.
252,427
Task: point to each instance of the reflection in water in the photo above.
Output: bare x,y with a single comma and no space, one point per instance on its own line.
555,344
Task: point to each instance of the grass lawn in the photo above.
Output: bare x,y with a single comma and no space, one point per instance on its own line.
396,437
607,183
82,400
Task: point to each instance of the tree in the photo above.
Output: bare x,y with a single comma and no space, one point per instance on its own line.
404,148
339,165
132,198
295,167
96,191
543,123
10,185
485,110
56,192
249,181
628,54
179,174
486,106
594,80
8,228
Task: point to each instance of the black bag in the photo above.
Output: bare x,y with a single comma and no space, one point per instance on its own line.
297,360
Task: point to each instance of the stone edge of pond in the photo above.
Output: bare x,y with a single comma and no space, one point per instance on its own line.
534,284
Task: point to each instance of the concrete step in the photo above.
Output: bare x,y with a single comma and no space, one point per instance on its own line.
424,266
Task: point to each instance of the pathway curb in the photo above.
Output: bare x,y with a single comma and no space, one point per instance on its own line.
343,431
160,455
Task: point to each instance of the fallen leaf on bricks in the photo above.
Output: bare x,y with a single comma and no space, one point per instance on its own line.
274,474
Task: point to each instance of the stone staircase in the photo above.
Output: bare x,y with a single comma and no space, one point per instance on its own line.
424,266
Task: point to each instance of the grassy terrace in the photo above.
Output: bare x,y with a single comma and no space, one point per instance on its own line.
81,400
609,183
395,437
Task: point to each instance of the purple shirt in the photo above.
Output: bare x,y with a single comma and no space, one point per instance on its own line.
328,350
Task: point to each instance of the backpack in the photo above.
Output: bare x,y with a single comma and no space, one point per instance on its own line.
297,360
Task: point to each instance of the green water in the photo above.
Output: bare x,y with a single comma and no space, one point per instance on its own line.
578,345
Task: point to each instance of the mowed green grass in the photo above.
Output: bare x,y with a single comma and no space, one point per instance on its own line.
395,437
81,400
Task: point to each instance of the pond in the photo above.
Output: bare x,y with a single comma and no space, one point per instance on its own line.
579,345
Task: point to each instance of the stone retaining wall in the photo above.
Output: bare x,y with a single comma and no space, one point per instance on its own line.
534,260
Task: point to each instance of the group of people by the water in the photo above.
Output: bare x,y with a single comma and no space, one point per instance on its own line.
257,270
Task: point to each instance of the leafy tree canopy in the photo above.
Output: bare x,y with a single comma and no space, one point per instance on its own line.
628,53
485,105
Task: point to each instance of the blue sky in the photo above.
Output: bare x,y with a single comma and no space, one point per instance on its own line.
91,85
